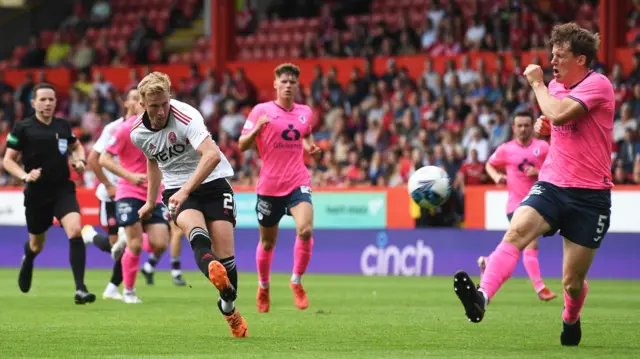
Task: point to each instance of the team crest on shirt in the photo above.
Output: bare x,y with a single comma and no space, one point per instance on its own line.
63,144
302,119
536,152
172,137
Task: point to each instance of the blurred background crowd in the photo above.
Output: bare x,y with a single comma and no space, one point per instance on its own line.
375,129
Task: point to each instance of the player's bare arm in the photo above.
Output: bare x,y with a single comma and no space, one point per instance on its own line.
247,141
210,157
497,176
107,161
154,178
310,146
78,160
558,112
93,161
10,163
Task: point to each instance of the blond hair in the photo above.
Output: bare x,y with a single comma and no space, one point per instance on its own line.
153,83
287,68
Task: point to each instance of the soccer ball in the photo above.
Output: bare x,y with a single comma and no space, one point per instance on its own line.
429,187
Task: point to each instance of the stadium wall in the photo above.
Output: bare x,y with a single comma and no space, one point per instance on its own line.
261,73
425,252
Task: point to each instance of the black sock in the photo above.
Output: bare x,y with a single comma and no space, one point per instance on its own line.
230,264
28,253
201,245
116,273
102,243
78,260
175,263
153,259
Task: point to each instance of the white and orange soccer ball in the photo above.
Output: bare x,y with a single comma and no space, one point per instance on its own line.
429,187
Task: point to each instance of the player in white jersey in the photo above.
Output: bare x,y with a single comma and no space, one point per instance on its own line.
105,192
181,154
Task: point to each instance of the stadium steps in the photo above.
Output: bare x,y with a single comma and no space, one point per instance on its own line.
182,40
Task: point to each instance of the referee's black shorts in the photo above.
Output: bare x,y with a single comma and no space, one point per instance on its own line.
41,206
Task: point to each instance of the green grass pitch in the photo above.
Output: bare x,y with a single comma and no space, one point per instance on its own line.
348,317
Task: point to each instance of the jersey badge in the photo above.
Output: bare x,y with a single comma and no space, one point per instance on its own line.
62,145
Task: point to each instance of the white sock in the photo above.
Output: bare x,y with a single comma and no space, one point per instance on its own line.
296,279
227,307
175,272
88,235
264,285
111,288
485,296
147,267
129,291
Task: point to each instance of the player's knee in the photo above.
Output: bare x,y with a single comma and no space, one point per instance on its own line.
135,246
267,243
159,247
517,236
74,231
305,233
573,285
36,246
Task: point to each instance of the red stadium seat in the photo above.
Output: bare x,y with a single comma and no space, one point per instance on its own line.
262,39
174,58
250,40
281,52
273,38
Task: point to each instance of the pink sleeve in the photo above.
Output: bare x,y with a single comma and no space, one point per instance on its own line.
251,121
307,127
498,158
590,92
117,141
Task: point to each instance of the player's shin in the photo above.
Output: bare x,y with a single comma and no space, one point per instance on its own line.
229,263
499,269
301,256
78,260
264,257
201,245
573,303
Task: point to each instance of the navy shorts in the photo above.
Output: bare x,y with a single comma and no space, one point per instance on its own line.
509,216
581,215
127,213
270,209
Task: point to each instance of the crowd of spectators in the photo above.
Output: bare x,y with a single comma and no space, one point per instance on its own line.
374,130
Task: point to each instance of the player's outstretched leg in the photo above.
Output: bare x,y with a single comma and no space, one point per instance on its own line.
264,258
531,264
77,256
91,236
217,274
32,248
303,216
222,232
526,226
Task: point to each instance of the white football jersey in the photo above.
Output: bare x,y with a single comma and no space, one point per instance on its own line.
174,147
101,146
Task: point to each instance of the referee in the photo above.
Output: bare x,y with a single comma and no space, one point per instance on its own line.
45,143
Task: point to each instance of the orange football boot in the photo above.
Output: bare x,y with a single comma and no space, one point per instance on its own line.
299,296
263,300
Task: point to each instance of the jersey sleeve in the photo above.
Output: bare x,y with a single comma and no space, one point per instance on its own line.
250,123
117,141
307,123
71,137
590,93
197,132
137,141
16,139
103,141
499,157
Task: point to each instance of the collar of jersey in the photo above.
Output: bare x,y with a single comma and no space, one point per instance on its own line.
147,123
